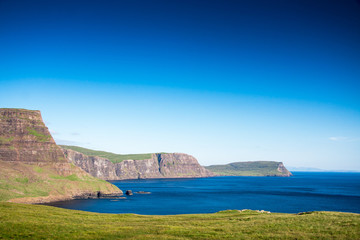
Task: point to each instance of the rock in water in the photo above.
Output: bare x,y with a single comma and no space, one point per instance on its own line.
32,165
129,192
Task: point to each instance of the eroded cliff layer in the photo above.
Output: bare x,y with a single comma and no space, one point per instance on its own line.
33,168
25,138
160,165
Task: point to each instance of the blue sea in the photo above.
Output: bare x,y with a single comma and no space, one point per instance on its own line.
305,191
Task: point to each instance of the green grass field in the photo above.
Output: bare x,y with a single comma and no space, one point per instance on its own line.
113,157
20,221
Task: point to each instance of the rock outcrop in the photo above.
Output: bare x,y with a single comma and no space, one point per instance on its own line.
129,192
283,171
33,168
160,165
96,166
25,138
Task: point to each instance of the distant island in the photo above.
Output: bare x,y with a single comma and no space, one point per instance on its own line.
255,168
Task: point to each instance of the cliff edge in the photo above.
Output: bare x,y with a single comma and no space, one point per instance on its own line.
159,165
33,169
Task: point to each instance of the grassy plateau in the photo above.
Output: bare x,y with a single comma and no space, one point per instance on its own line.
21,221
255,168
113,157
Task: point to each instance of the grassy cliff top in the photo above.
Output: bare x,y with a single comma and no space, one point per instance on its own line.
20,221
113,157
255,168
18,110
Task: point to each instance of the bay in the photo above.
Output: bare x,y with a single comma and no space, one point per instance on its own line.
305,191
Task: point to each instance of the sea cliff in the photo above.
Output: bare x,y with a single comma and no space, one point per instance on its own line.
33,169
159,165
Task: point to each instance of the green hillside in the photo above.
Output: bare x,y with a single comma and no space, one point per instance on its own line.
26,183
113,157
256,168
20,221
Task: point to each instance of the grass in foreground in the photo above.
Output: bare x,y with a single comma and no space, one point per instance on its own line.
39,222
113,157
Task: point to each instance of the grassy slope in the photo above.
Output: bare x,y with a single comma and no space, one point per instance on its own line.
39,222
115,158
257,168
19,180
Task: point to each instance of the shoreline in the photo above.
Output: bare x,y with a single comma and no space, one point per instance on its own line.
54,199
183,214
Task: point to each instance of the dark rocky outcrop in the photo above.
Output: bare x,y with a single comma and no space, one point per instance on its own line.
160,165
34,168
129,192
99,194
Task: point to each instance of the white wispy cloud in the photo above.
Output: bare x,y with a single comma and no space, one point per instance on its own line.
343,139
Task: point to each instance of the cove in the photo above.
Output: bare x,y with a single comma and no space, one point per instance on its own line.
305,191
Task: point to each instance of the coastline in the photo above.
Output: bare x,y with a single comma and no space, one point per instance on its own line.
62,198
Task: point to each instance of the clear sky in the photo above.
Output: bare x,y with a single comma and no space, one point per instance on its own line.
221,80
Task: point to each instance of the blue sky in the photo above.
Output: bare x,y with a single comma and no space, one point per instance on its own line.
224,81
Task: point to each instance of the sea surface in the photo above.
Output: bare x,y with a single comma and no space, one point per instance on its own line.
305,191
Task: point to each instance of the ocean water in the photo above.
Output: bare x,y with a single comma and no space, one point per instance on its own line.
303,192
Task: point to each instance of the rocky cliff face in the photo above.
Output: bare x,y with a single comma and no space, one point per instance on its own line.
160,165
178,164
284,172
25,138
31,162
97,166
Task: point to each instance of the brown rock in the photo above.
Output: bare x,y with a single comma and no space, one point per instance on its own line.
160,165
25,138
282,169
31,160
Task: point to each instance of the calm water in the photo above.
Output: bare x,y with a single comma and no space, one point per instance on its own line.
302,192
